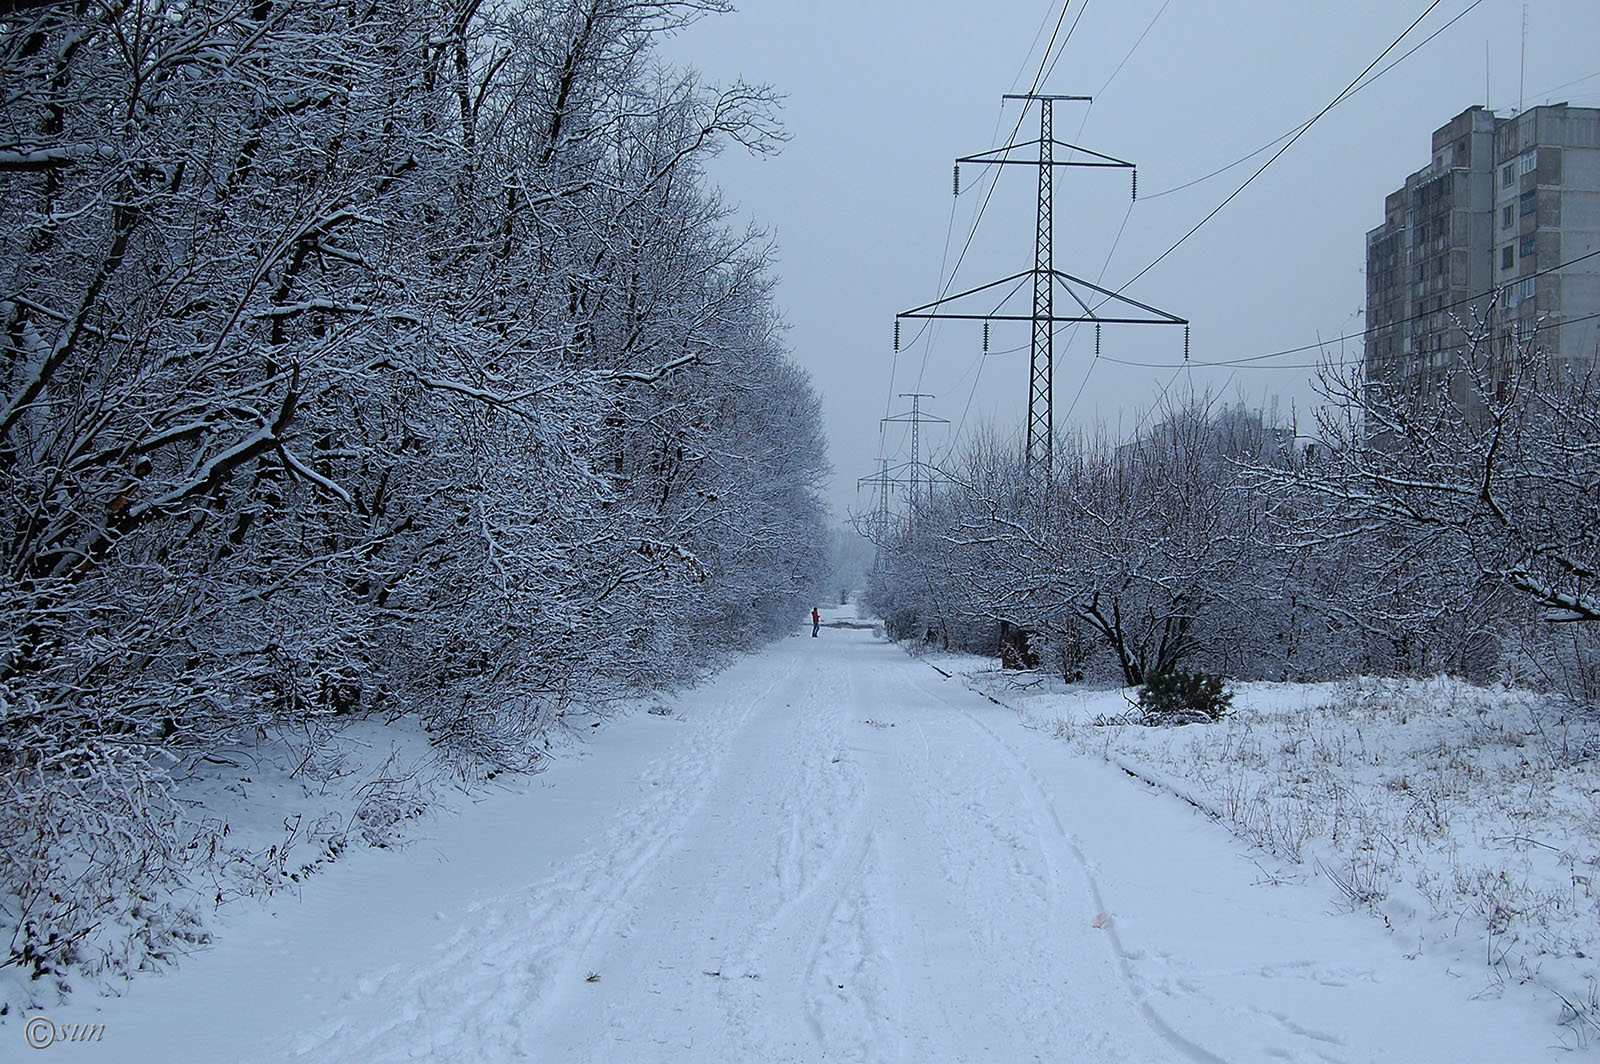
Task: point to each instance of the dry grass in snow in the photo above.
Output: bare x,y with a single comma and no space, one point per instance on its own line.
1467,819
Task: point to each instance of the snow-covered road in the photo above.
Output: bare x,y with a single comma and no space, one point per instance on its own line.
831,853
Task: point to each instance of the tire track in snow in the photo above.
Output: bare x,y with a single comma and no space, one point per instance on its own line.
513,950
842,970
972,916
820,920
737,912
1049,827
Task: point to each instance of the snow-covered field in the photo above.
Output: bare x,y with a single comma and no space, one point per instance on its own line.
1465,820
833,852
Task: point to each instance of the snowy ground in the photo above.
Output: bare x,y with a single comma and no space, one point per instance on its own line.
832,852
1466,820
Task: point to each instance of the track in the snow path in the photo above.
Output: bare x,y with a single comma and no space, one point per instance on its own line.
828,855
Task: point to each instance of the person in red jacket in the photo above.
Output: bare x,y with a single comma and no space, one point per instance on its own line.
816,622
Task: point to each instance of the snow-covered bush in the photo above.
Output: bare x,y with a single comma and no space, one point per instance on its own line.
1423,527
1141,557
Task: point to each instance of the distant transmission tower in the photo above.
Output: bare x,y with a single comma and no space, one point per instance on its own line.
875,523
912,474
916,471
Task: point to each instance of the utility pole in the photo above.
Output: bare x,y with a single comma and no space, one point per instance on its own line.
1087,297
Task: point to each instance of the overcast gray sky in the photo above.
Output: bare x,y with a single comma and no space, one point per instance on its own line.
883,95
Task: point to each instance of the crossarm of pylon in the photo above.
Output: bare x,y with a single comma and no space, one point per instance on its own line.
922,311
1076,298
987,158
984,156
1163,318
1107,160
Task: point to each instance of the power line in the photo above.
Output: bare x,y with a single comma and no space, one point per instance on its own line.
1345,96
1060,51
1074,333
1135,47
994,182
1248,363
1115,242
946,285
1362,335
1043,22
1277,154
1568,84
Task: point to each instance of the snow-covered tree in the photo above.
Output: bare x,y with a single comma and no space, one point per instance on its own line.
363,356
1464,510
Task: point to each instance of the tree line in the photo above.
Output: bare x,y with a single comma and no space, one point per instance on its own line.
1444,522
363,356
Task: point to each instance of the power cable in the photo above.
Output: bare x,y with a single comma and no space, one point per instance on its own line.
1135,48
1073,334
1568,84
1302,127
993,182
1084,6
961,424
1021,70
1279,153
1249,363
1361,335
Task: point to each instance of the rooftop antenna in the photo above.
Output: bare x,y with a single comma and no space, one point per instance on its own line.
1522,73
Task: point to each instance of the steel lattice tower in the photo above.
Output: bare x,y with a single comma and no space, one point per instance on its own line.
1086,296
1041,360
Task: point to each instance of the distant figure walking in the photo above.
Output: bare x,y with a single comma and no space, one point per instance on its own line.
816,622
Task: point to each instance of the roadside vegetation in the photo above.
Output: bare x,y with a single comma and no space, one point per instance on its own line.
385,362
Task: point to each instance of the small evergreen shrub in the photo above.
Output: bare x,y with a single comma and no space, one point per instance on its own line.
1179,697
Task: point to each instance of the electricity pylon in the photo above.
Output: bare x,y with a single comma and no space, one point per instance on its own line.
911,474
916,470
875,524
1087,296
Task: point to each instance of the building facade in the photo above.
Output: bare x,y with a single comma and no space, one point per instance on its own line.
1488,239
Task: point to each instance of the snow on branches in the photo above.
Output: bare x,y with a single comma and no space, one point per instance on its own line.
352,359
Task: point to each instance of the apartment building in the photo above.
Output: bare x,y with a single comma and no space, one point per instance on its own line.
1490,235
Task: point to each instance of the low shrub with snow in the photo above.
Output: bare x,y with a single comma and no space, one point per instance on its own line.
112,869
1177,696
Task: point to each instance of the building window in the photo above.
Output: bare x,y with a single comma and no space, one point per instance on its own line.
1528,161
1508,257
1508,214
1508,176
1527,248
1525,203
